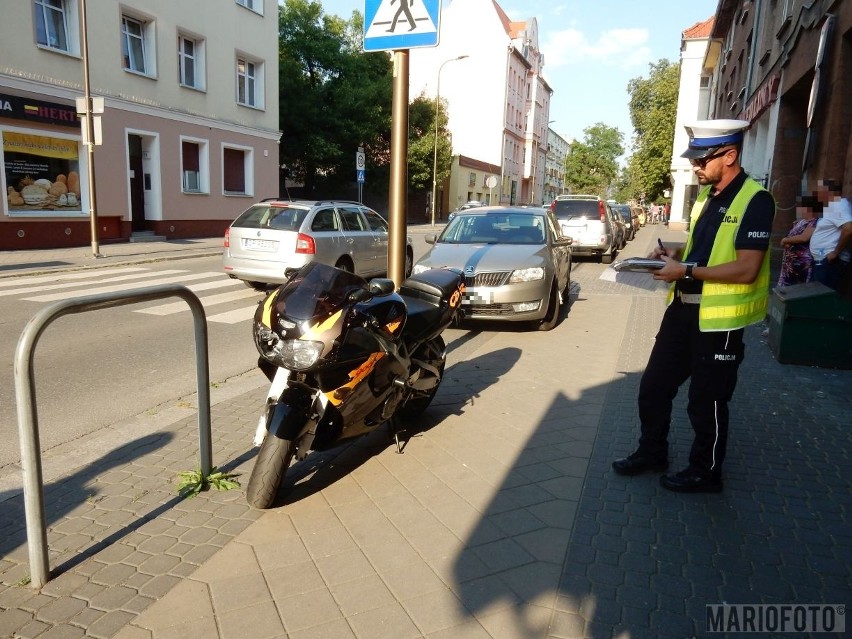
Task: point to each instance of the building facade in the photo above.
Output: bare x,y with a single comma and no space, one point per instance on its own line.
554,173
786,67
693,104
498,102
188,134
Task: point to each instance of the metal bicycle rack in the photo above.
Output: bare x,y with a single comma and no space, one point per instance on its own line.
28,412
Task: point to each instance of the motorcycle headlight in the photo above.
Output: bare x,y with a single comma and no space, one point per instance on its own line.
294,354
527,275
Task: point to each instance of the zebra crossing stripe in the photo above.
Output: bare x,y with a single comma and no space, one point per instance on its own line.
76,275
233,317
179,279
211,300
67,285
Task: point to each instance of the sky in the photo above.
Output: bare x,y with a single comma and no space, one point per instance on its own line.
592,49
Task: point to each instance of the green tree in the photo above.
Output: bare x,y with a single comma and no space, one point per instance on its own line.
591,166
653,111
333,98
421,144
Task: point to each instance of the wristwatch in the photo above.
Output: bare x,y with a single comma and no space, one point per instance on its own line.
687,276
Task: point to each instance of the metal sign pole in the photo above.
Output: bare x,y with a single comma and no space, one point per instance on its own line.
399,168
89,143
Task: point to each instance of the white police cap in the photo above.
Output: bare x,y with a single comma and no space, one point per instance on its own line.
706,136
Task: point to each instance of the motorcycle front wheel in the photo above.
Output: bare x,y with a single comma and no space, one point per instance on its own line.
434,353
271,464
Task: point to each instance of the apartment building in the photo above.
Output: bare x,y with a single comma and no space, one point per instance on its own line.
498,101
693,104
188,134
554,174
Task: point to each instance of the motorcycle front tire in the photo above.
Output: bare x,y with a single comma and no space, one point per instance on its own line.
271,464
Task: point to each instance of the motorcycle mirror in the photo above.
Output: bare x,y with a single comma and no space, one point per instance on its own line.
360,295
381,286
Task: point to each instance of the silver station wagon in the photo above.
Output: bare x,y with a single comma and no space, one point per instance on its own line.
275,236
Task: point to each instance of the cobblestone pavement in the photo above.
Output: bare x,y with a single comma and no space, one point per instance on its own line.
501,519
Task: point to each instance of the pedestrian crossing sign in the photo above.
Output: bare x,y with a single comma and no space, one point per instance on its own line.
401,24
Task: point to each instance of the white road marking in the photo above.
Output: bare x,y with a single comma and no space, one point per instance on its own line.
234,317
66,285
179,279
212,300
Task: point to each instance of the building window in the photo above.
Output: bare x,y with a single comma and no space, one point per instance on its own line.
51,18
194,166
191,62
138,45
237,171
705,81
253,5
249,83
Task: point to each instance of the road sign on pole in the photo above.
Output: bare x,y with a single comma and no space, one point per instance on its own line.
401,24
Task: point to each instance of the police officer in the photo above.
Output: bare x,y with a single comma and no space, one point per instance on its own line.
720,286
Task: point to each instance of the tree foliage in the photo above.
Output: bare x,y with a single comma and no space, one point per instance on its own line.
653,112
421,145
333,98
591,166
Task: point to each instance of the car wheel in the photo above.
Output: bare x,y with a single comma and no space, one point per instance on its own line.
345,264
551,319
409,262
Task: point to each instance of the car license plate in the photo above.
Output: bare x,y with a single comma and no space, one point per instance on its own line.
474,298
256,244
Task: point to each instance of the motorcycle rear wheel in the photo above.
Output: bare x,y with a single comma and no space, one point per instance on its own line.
271,464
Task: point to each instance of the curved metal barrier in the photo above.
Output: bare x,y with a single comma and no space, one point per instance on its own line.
28,412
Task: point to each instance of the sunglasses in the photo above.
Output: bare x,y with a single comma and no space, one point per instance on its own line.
702,162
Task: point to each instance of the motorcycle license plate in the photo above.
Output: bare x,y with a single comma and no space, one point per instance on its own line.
256,244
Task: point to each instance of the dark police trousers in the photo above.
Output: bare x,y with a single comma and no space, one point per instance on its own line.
710,361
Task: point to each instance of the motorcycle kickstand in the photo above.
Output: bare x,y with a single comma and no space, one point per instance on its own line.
394,424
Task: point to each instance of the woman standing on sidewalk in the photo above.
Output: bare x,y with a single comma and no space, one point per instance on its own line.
797,261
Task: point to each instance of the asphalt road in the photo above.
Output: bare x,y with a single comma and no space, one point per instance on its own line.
102,367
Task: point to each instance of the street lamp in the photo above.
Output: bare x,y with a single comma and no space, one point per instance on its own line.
435,151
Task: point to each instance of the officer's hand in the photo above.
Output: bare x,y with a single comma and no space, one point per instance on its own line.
671,272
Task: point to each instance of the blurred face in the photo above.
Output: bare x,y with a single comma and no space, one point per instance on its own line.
709,170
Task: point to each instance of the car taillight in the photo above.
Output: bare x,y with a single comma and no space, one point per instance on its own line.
305,244
227,238
602,211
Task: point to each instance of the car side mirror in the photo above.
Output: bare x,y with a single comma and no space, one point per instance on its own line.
431,239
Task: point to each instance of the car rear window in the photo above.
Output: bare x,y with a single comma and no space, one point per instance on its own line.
263,216
567,209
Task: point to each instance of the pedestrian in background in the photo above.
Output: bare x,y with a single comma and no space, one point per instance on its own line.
796,261
832,236
720,288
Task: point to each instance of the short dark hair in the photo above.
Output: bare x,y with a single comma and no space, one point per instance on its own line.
809,201
833,186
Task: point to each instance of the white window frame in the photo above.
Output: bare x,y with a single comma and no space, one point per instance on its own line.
147,39
198,59
203,166
256,100
248,168
252,5
70,24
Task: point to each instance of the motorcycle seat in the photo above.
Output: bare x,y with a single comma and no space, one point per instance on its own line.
435,285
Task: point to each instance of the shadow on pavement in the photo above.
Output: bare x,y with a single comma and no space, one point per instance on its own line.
638,561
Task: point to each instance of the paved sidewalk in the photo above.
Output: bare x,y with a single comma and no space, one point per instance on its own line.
500,519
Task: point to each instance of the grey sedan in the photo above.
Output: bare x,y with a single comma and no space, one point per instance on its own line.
517,263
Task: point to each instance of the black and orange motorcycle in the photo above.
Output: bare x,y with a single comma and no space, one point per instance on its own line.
344,356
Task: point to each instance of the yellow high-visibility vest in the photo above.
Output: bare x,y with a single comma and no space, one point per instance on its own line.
726,307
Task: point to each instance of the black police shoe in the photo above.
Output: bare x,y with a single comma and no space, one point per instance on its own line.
691,481
639,463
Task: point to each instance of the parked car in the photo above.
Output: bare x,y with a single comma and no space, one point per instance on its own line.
472,204
638,217
274,236
627,216
517,263
590,222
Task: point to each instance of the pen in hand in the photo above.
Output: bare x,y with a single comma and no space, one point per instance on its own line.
662,248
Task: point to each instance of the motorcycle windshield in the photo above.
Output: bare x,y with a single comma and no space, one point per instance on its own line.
317,290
